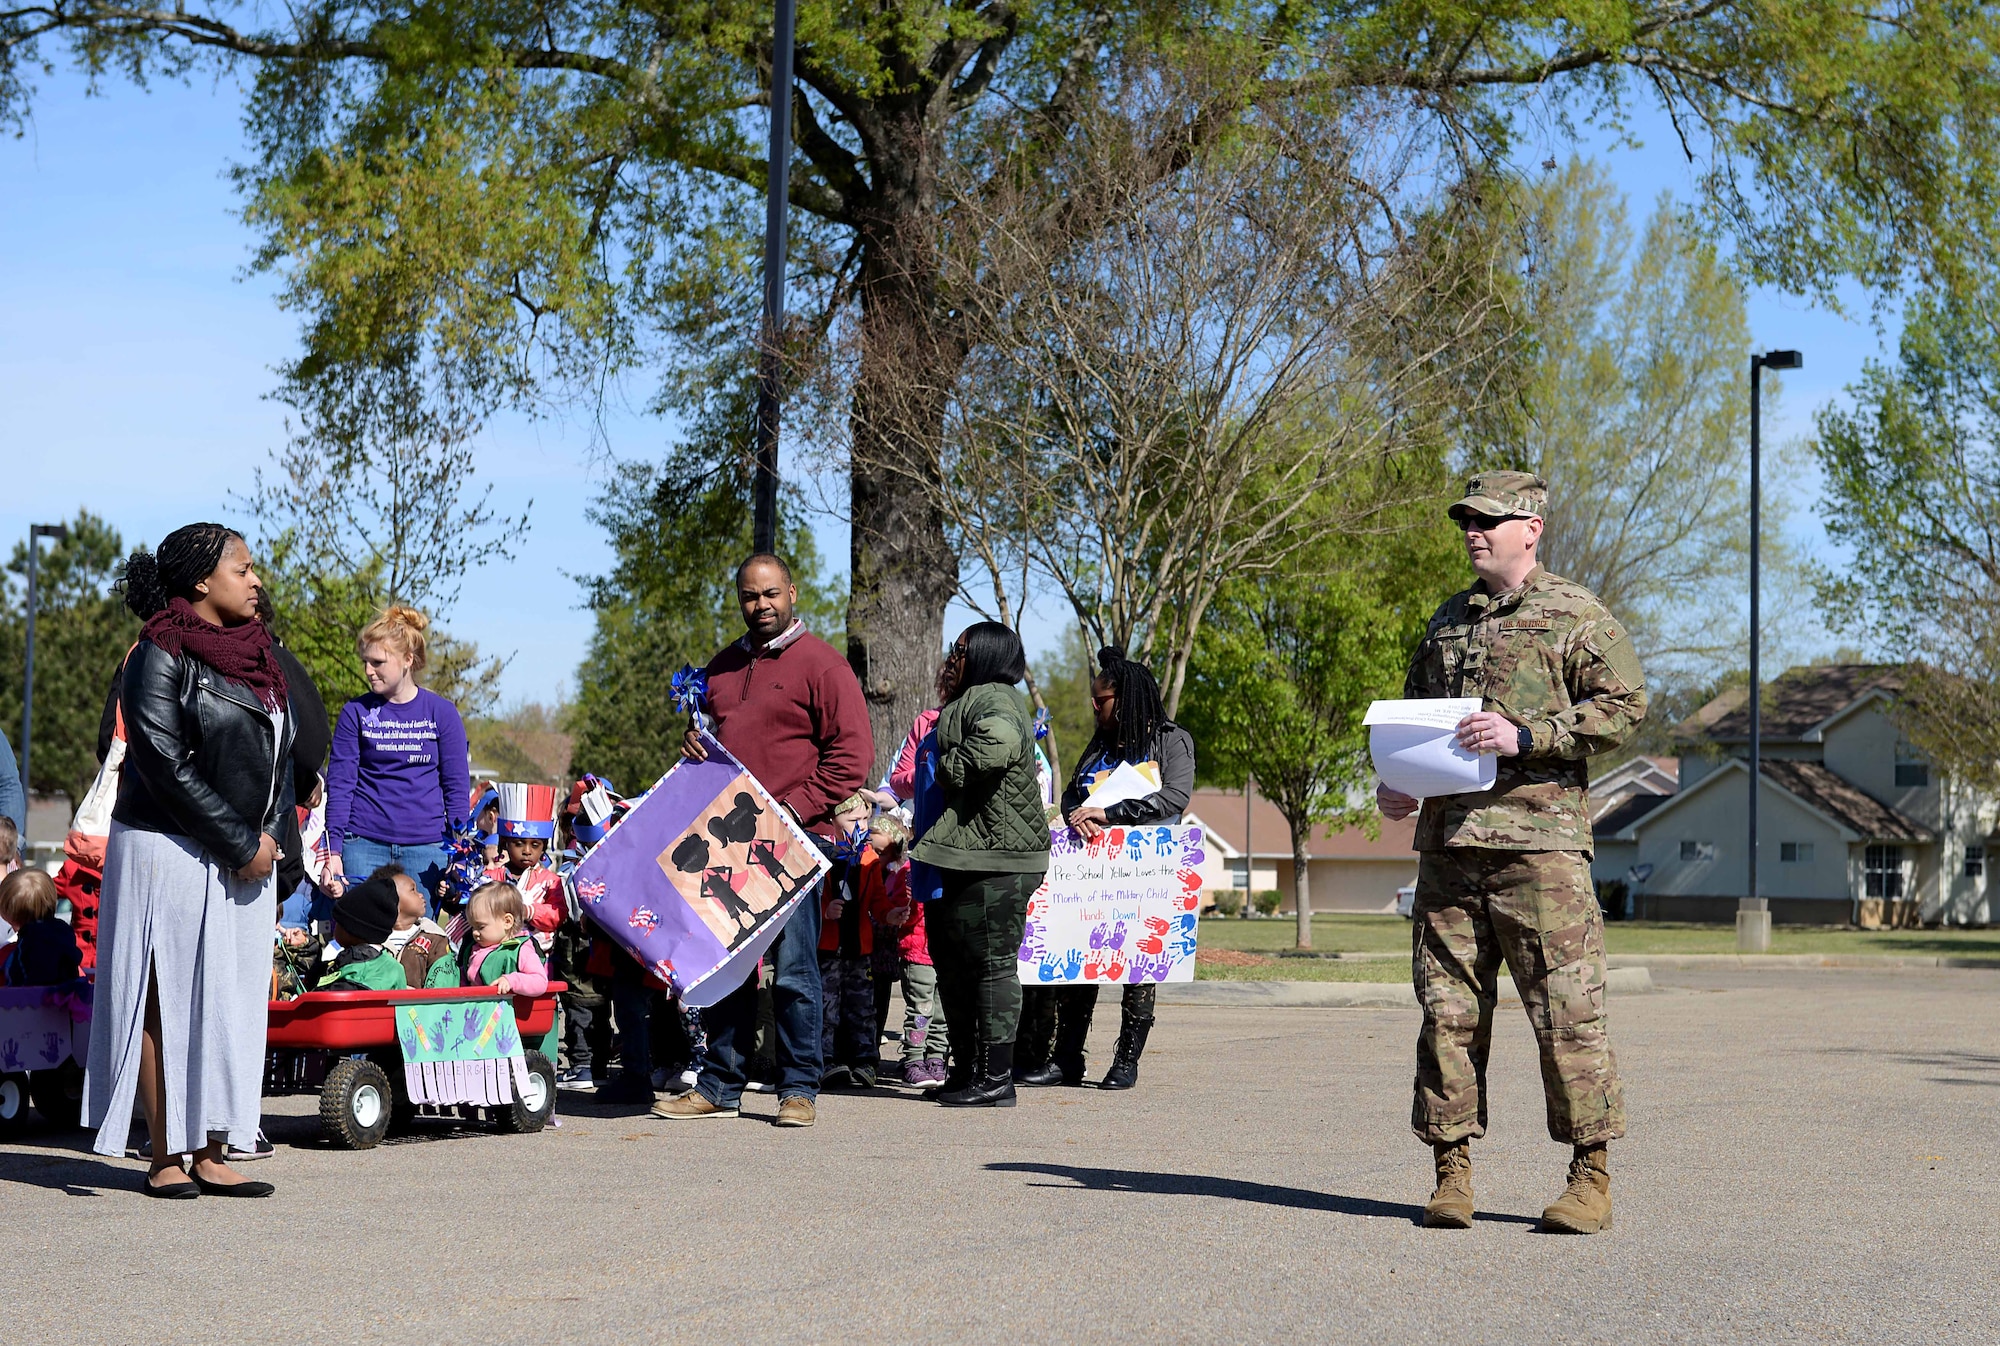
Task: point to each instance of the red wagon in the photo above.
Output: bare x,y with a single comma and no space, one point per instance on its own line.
345,1044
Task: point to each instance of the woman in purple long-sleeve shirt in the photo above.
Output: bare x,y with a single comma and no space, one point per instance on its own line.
397,779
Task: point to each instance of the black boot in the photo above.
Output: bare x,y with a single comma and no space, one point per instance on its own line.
1124,1072
1031,1040
962,1046
994,1086
1073,1015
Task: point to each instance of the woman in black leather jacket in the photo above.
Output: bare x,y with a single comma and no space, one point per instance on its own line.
189,903
1132,726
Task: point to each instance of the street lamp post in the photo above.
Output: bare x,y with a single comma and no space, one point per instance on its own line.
764,527
1753,915
36,532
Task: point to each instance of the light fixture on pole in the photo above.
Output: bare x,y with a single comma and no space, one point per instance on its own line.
36,532
764,523
1755,932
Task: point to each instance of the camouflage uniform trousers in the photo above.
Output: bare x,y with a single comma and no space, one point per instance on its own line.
1538,911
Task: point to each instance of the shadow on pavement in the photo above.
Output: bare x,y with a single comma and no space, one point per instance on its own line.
68,1166
1231,1189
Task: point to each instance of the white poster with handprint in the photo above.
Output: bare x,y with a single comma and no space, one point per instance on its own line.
1119,908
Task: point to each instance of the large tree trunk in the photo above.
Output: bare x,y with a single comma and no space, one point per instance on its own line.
1301,879
901,566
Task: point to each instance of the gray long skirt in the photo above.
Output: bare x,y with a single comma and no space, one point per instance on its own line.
207,936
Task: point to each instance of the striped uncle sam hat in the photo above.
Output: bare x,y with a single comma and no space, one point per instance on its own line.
528,810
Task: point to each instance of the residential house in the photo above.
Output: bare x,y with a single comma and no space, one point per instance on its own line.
1619,797
1347,870
1854,825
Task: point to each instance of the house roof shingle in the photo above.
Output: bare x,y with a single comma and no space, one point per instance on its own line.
1626,812
1794,704
1847,804
1221,811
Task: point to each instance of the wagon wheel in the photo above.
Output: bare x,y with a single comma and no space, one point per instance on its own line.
402,1110
58,1094
533,1106
13,1102
354,1104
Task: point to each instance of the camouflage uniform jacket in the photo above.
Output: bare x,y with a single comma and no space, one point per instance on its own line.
1549,657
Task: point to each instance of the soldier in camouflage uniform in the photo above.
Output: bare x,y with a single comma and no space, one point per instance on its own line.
1504,874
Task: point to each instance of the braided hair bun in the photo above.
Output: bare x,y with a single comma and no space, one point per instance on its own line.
400,629
186,557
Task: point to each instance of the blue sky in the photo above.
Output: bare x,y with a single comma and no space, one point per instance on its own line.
136,355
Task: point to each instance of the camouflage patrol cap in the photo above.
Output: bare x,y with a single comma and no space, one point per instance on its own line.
1503,495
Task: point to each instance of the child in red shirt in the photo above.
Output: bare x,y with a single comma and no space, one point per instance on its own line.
853,902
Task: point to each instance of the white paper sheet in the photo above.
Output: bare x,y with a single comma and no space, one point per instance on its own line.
1412,745
1127,782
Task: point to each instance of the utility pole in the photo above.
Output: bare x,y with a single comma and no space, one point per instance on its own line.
771,346
1753,914
36,532
1249,855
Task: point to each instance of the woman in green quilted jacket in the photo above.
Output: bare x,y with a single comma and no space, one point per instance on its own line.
991,848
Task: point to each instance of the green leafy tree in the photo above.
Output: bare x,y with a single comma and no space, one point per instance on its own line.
82,631
1287,667
1912,486
509,202
375,501
678,530
1628,390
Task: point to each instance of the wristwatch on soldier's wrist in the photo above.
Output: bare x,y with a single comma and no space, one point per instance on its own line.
1526,740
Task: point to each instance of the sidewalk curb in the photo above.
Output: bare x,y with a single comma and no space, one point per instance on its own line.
1349,994
1696,960
1782,960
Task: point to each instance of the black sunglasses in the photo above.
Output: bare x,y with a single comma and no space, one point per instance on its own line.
1485,523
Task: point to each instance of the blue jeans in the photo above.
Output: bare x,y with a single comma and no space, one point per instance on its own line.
423,861
305,908
732,1023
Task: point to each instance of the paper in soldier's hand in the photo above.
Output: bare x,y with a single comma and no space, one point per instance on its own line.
1415,747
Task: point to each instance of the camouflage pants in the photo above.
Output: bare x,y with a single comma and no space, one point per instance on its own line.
1538,911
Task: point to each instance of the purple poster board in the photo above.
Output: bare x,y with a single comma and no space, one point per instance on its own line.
700,876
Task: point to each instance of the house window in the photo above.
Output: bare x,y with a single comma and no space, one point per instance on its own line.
1693,851
1912,771
1882,872
1795,853
1975,862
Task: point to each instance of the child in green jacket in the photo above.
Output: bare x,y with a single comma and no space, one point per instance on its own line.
363,917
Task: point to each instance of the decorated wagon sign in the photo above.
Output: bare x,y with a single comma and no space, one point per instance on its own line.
462,1052
1120,908
700,876
43,1026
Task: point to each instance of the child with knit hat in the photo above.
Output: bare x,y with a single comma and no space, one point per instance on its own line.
363,917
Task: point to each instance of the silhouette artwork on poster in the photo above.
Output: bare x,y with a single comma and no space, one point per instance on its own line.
736,863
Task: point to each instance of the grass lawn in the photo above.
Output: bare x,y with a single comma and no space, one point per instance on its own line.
1391,934
1305,969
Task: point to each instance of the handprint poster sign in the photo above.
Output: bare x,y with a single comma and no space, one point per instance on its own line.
700,877
43,1026
462,1052
1119,908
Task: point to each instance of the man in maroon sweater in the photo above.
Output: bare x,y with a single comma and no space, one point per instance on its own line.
787,707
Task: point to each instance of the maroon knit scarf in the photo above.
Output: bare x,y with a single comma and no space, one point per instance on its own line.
243,654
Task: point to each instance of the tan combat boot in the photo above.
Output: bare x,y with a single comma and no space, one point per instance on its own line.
1450,1206
1585,1205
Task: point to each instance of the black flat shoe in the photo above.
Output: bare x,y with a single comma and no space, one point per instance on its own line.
185,1190
234,1188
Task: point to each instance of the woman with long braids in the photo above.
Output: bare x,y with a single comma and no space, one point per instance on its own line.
1132,726
189,902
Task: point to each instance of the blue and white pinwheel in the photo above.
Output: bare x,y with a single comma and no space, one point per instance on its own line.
689,690
1041,724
